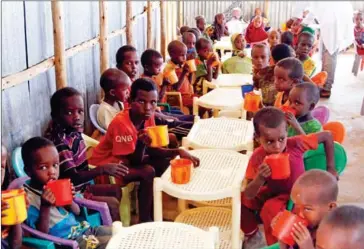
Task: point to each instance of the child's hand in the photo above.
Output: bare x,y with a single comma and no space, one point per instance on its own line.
116,169
4,206
302,236
73,190
143,137
190,56
333,172
48,198
291,119
210,60
186,68
264,171
185,154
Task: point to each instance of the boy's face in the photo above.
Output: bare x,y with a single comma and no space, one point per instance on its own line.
72,114
307,204
304,45
130,65
205,51
121,91
258,21
190,41
45,165
273,140
330,237
298,101
282,81
178,54
201,24
358,20
240,42
155,67
144,104
273,38
220,19
260,57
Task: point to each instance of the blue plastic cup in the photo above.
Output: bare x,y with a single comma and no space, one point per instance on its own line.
246,89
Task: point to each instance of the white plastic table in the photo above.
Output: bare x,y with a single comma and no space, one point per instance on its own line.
219,176
222,45
220,133
229,80
163,235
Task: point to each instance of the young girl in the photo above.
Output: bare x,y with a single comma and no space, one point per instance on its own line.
218,29
359,42
255,31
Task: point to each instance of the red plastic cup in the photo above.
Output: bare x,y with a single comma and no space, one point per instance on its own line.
279,165
62,191
181,170
283,225
288,109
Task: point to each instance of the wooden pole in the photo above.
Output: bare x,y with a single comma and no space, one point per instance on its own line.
149,24
180,13
59,44
163,29
266,9
129,22
104,45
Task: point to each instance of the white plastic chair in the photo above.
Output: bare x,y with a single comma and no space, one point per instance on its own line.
93,117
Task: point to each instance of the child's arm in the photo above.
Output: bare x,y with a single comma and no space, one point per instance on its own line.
178,85
15,237
307,79
302,236
163,89
47,201
73,208
292,121
216,72
253,186
170,153
325,137
137,156
209,74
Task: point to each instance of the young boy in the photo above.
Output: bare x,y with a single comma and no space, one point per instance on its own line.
263,74
342,228
189,39
11,236
65,129
41,163
127,60
287,73
280,52
273,38
126,141
116,85
304,47
205,70
266,195
303,99
314,195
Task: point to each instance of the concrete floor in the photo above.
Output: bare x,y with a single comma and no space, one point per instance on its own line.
345,104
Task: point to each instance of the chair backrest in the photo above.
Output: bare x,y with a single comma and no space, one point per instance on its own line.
18,182
337,129
93,117
316,159
321,113
17,162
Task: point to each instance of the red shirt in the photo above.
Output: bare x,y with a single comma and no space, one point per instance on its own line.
359,38
296,147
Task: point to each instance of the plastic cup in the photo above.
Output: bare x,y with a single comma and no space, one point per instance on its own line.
280,166
246,89
217,60
158,79
17,212
192,65
171,76
288,109
159,135
181,170
283,225
251,102
62,191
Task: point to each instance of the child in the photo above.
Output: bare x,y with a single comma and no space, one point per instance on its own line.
342,228
126,141
314,195
218,29
189,39
200,23
255,31
205,70
196,32
304,46
264,194
280,52
287,73
359,43
65,129
178,52
41,163
303,99
273,38
239,62
11,236
127,60
287,38
116,85
183,29
263,74
296,29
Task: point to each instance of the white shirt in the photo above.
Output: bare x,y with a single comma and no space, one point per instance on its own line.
236,26
107,112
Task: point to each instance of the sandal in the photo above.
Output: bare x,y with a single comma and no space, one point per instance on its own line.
325,93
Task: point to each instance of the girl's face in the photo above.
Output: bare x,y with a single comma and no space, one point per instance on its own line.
201,24
358,20
258,21
273,38
296,27
239,42
220,19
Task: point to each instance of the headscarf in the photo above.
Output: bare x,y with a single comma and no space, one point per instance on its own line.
219,30
254,34
233,37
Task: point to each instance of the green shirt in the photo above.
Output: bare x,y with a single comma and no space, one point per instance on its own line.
310,126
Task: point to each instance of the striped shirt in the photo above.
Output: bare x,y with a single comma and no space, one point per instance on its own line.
72,153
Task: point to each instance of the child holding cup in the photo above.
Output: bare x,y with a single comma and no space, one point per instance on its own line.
264,194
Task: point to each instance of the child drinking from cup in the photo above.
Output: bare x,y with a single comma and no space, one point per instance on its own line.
342,228
314,195
127,142
264,194
303,99
287,73
11,236
65,131
304,47
189,39
41,163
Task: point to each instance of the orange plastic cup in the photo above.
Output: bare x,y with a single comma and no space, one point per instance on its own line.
159,135
337,130
17,211
283,225
320,78
192,65
251,102
62,191
171,76
181,170
280,166
288,109
217,60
